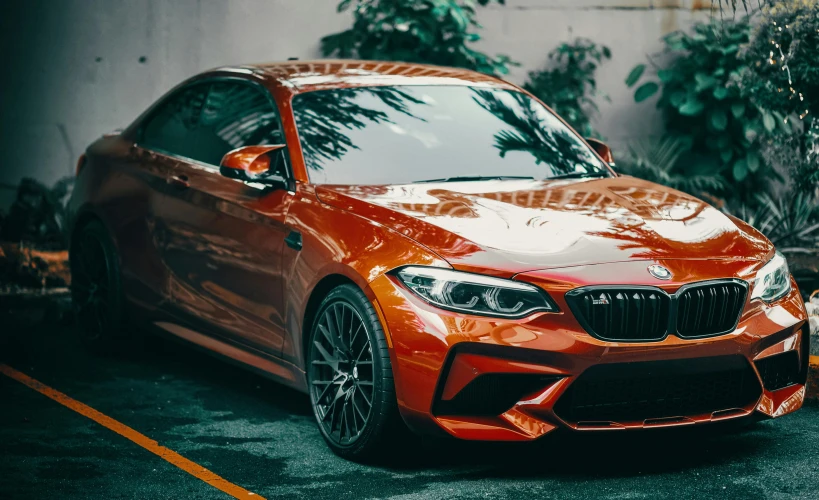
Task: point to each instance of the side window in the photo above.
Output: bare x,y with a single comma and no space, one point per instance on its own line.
235,115
172,128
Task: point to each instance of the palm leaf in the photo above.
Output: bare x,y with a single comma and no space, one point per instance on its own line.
659,161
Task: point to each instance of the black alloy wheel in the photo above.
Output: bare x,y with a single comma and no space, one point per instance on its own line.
96,292
350,375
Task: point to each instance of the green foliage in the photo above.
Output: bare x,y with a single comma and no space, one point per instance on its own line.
656,161
782,77
796,154
568,87
421,31
790,222
735,5
38,214
702,105
782,72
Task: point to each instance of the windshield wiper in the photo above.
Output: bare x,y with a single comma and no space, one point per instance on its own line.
579,175
476,178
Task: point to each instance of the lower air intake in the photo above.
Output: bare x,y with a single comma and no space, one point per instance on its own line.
635,392
492,394
779,371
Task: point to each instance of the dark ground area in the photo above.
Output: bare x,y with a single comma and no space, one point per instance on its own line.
261,436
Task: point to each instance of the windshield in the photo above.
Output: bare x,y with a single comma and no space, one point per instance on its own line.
404,134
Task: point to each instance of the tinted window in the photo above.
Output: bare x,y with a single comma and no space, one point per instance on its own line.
236,115
206,121
392,135
172,128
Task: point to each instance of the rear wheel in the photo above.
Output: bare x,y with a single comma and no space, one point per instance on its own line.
350,376
96,292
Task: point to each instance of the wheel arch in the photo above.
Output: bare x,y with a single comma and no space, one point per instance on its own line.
323,287
82,218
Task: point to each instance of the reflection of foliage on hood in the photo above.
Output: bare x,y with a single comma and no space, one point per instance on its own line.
323,115
558,148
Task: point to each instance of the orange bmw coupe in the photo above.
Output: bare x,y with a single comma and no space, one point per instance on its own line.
430,247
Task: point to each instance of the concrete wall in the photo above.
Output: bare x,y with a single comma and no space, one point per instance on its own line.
73,69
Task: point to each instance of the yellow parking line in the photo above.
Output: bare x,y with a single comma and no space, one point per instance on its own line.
149,444
814,360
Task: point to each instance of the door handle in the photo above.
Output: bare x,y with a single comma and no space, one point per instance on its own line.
179,181
293,240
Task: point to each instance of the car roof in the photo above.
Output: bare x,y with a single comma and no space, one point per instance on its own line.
305,76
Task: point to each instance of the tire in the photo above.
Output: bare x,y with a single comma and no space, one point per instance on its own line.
96,289
345,375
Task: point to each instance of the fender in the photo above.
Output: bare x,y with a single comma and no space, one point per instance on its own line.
369,251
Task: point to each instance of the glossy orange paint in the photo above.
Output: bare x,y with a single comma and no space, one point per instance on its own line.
587,221
212,260
250,159
554,344
601,149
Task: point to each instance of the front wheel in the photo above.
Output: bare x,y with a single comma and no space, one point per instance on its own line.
350,376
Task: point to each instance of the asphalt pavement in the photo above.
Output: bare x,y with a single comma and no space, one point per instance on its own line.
261,437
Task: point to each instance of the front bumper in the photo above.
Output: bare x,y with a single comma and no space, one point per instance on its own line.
487,379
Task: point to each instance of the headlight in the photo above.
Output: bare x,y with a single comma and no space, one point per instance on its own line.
773,281
475,293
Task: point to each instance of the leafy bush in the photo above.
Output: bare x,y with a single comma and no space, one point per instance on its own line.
569,86
781,57
703,106
421,31
734,100
798,154
656,161
790,222
782,75
37,215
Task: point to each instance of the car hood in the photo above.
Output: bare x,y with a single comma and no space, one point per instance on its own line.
518,225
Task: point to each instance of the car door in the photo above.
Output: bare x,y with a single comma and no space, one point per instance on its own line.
225,236
144,189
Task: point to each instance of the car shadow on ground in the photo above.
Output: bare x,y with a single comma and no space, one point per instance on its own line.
598,455
567,454
606,454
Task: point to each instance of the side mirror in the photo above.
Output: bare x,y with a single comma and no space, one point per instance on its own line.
253,163
602,149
